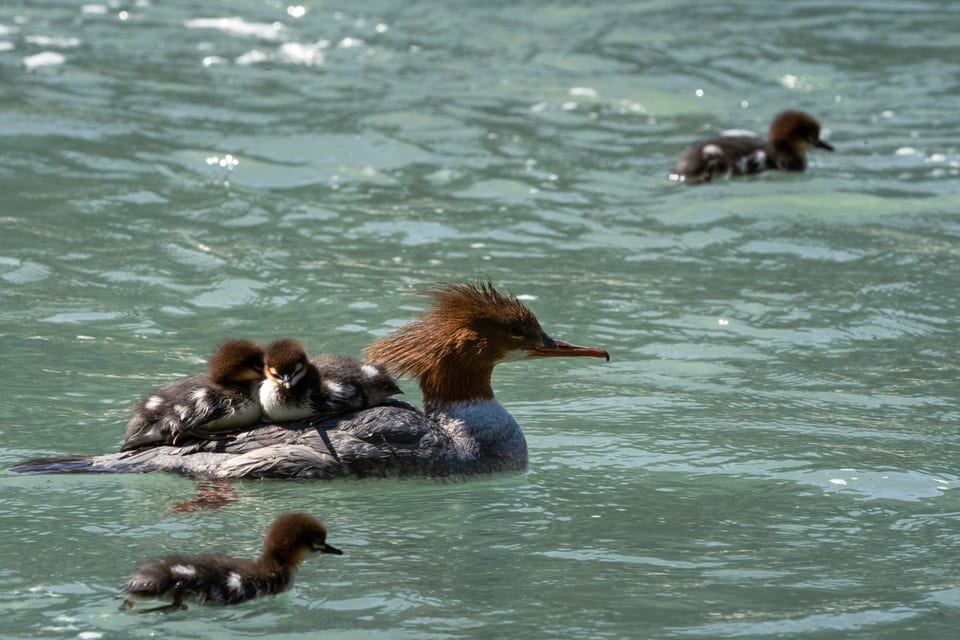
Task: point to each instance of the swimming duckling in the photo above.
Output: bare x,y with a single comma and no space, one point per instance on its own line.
792,133
225,580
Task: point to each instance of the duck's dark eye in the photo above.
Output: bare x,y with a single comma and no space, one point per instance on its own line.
516,330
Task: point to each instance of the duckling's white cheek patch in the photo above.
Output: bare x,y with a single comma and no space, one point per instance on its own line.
234,582
369,371
155,402
183,570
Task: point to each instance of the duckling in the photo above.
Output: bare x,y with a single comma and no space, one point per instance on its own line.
225,580
297,388
354,382
202,406
792,133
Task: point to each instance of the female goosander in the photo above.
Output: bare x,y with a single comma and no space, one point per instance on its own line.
297,388
462,429
225,580
792,133
202,406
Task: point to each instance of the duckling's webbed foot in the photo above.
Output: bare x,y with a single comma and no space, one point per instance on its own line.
176,605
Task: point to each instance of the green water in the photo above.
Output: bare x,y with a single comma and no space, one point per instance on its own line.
771,452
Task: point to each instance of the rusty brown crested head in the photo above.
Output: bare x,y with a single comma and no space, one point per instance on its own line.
453,347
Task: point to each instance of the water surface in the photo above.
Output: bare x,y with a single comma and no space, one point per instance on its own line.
771,451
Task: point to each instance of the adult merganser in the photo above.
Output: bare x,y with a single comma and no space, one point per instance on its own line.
792,133
202,406
225,580
297,388
462,429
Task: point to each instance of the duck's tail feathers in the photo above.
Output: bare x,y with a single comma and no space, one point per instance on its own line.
60,464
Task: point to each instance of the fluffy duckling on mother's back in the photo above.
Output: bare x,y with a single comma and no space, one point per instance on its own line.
298,388
202,406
